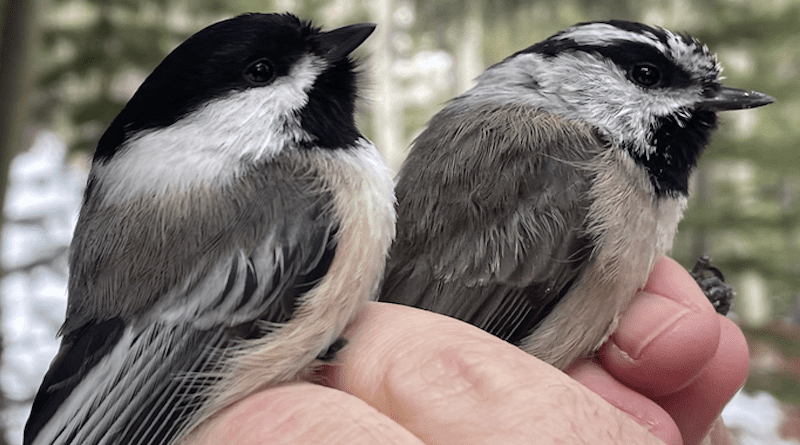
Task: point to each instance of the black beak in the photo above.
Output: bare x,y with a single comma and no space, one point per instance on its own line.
734,99
338,43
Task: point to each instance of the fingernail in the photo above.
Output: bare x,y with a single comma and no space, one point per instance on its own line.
648,316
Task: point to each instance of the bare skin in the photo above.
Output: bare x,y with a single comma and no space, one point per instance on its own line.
414,377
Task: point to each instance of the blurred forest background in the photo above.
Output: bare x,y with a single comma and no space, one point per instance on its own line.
70,65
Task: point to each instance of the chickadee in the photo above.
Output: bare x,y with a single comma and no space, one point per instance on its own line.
535,204
234,220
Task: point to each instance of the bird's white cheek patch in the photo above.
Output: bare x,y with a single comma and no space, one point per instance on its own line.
212,144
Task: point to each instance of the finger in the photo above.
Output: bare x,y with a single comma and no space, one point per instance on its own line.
666,337
300,414
645,411
451,383
696,407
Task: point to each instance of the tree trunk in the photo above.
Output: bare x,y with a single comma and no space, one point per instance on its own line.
469,56
387,106
16,48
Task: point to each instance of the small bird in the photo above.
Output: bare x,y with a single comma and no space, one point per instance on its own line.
535,204
234,220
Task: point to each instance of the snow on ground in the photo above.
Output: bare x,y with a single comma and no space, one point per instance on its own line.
755,419
41,208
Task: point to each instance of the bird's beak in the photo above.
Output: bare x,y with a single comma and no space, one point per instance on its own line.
727,98
337,43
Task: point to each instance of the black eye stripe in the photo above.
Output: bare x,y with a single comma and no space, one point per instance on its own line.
628,55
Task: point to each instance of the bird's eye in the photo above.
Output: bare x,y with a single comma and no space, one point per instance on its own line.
646,75
260,72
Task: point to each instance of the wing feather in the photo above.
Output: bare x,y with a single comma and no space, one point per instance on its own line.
492,206
139,380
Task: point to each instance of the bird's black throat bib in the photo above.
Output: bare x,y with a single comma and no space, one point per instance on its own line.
678,144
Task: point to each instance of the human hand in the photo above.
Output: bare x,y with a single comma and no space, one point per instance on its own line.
409,376
673,362
414,377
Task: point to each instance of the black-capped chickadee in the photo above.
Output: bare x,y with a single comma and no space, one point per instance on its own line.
234,220
535,204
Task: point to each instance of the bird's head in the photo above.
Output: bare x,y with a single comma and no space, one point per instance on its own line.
238,92
649,91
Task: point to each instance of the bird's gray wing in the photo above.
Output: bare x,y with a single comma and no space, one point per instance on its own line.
232,271
492,206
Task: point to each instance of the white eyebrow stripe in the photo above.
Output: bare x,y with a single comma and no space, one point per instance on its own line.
604,34
680,49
